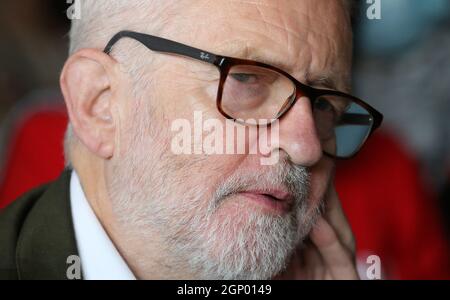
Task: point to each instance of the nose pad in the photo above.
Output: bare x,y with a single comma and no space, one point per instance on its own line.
287,105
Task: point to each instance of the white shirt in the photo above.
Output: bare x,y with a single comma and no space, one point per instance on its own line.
100,259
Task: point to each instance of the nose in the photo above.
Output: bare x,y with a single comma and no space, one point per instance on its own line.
298,135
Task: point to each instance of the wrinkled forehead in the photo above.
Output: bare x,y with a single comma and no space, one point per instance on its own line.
219,19
313,36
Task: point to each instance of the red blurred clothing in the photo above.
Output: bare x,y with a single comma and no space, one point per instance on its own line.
35,155
391,212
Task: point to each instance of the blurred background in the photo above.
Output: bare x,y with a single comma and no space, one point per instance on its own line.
396,192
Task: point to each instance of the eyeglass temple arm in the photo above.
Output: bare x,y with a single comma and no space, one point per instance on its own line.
355,119
163,45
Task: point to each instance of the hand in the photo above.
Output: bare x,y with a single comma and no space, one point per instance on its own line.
329,253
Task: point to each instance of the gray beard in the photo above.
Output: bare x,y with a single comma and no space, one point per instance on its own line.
247,246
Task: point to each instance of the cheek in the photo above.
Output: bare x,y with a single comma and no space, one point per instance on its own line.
321,176
202,173
182,91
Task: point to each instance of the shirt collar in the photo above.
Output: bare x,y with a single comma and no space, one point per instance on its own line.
99,257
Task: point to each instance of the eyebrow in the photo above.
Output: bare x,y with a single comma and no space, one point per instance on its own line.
252,53
239,49
317,81
321,81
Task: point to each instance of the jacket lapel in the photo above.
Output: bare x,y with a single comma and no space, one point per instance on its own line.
47,237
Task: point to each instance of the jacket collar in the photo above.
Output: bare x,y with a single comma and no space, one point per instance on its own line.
47,238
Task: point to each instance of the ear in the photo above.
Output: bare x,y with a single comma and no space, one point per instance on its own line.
87,84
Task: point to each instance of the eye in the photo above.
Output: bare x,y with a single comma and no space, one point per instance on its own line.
244,77
324,105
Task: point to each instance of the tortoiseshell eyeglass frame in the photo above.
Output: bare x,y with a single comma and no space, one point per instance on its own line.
225,63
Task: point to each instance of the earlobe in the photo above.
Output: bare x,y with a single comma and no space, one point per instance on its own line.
86,84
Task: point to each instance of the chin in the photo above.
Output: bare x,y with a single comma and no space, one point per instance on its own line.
245,242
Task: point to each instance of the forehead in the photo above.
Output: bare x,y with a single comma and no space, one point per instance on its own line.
304,37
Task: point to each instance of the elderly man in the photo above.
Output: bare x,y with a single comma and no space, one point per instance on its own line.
130,206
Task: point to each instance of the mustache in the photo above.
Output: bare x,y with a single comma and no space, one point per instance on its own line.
292,178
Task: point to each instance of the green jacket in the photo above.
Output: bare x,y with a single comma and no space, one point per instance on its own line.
37,235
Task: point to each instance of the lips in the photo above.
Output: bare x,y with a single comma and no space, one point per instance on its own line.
274,200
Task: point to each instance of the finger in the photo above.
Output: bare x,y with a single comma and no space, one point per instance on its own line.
335,215
312,260
305,263
336,257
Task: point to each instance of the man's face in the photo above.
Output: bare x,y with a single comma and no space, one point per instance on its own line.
227,216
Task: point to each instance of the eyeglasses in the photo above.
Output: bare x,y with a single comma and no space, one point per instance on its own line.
255,93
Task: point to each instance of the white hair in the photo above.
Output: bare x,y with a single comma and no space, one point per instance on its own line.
101,19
